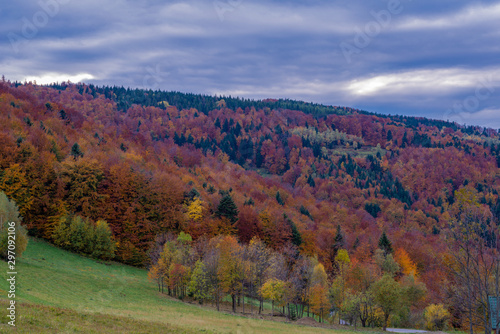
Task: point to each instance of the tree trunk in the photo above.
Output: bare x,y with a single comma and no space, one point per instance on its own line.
386,320
363,316
217,300
233,297
469,288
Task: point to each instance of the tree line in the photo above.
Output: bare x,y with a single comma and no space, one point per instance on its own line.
208,270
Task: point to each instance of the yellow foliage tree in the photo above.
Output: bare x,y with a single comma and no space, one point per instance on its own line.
436,317
274,290
154,274
230,268
320,304
319,276
195,209
15,185
160,271
408,267
267,224
343,261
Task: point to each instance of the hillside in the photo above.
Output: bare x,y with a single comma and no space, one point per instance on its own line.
64,292
304,178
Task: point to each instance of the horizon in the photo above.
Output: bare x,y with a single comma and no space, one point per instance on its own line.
260,100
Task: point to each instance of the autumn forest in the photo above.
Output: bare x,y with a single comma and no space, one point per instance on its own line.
328,211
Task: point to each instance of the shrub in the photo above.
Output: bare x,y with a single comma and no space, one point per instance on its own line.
9,213
82,236
436,317
104,243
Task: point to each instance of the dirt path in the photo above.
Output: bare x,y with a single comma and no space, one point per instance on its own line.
404,330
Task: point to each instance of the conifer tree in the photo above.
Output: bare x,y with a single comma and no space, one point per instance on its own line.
339,239
76,151
385,244
296,237
311,182
227,209
279,199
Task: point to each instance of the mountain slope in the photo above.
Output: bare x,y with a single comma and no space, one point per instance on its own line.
138,158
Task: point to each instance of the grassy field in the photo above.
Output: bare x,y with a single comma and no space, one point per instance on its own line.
60,292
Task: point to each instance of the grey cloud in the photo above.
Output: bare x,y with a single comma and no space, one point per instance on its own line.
263,49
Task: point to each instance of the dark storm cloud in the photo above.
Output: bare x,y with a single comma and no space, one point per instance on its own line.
436,59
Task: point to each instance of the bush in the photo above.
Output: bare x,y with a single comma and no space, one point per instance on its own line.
104,247
436,317
376,319
9,214
82,236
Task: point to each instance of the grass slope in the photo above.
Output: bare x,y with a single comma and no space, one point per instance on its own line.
58,291
48,319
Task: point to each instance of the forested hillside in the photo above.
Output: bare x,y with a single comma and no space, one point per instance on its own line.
307,180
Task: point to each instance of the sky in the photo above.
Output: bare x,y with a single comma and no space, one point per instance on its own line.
436,59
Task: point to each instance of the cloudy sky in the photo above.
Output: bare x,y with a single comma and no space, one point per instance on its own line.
438,59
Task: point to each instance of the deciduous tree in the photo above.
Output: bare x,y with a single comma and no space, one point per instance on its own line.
199,284
274,290
387,294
